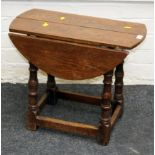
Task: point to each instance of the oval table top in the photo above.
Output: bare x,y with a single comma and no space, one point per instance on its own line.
79,29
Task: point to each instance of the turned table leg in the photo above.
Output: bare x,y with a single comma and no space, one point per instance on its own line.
32,108
51,89
105,122
118,95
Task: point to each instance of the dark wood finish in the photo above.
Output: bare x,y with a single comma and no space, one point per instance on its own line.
79,29
105,122
51,89
116,115
93,100
42,100
32,108
67,60
66,126
118,96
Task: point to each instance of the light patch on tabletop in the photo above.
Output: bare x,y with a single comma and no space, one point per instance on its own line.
45,24
139,37
127,27
62,18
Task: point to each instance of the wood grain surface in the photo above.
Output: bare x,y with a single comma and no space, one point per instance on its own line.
67,60
79,29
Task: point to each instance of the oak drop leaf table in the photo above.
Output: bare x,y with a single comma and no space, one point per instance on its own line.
75,47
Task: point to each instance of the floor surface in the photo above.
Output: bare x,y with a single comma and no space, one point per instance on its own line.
132,135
